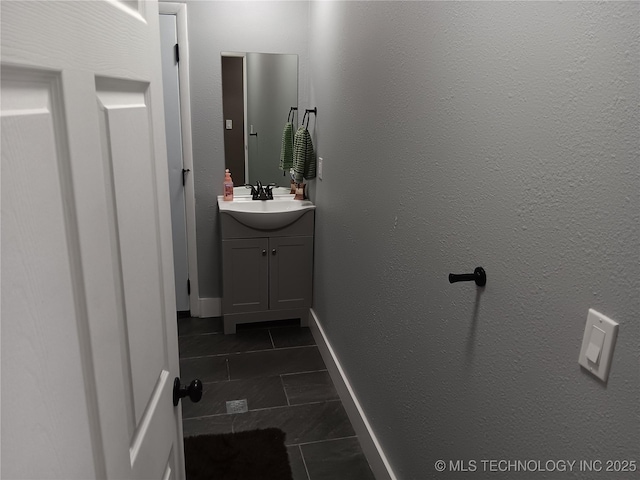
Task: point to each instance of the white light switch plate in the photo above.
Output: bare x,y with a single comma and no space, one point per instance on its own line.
595,347
229,124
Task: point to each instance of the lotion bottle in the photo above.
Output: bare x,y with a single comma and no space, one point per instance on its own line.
228,186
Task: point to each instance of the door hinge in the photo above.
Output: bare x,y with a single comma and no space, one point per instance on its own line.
188,287
177,50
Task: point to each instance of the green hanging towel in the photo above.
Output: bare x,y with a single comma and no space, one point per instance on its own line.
304,157
286,153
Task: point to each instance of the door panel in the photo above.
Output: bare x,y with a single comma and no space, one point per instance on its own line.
169,469
125,134
149,443
39,312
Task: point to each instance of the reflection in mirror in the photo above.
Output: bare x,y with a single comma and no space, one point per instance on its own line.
258,90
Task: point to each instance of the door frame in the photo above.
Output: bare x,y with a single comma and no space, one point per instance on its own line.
180,11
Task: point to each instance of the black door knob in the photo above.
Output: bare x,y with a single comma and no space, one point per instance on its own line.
194,391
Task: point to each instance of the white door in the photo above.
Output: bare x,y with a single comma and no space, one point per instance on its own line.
89,340
171,87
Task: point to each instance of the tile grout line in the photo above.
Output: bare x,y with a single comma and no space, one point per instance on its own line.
184,335
326,440
220,330
245,352
302,373
284,388
214,382
335,400
306,469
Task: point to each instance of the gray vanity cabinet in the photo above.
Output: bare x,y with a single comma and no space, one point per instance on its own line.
266,275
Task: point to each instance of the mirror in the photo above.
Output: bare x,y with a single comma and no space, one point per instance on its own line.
258,91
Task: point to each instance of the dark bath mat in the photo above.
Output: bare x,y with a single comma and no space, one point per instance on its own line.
255,454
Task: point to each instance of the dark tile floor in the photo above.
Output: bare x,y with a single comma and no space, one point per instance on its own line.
277,368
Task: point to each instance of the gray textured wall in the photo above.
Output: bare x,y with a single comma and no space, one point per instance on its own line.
484,133
214,27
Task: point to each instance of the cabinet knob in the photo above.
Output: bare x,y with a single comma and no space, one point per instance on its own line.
273,252
264,252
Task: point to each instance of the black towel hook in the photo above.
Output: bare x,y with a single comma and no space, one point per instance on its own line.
479,276
313,110
292,114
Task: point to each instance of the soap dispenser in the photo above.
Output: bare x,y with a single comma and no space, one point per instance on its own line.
228,186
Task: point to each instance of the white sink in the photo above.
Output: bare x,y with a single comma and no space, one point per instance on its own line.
265,214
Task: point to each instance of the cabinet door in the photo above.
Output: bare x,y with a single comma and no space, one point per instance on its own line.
245,273
291,272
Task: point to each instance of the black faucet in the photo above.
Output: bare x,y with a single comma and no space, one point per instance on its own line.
262,194
254,191
259,192
269,190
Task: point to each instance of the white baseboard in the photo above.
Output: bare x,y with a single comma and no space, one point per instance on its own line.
368,441
210,307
